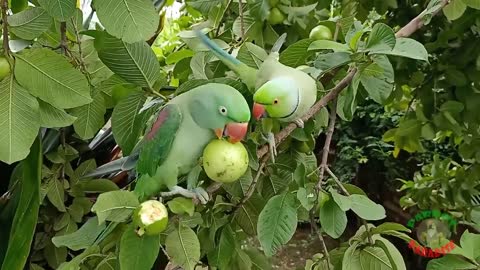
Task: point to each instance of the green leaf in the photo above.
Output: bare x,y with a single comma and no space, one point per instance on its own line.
97,186
98,72
77,260
296,54
181,205
259,261
54,255
49,76
259,8
204,6
56,194
470,243
26,214
175,57
472,3
19,120
378,78
82,238
127,122
382,38
90,117
134,62
252,55
372,257
328,61
344,202
332,219
389,226
277,223
30,23
454,9
130,20
199,65
115,206
306,197
407,47
450,262
394,256
138,252
61,10
240,260
366,208
328,45
247,215
225,249
51,117
183,247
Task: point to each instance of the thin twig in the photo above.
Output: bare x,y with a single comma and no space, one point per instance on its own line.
252,186
326,145
240,13
63,38
223,15
405,31
313,224
6,47
346,193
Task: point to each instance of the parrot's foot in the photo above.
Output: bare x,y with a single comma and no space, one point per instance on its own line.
271,145
198,194
299,123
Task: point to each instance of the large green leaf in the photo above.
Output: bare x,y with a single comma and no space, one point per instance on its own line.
450,262
52,117
407,47
61,10
83,238
138,252
329,61
277,222
49,76
297,53
259,8
377,78
328,45
224,251
204,6
89,117
333,219
30,23
134,62
56,193
19,120
395,257
454,9
247,215
381,38
366,208
78,259
252,55
472,3
470,242
130,20
97,71
372,257
183,247
26,215
115,205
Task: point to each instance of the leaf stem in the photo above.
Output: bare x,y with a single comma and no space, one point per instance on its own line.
240,13
6,46
223,15
63,38
252,186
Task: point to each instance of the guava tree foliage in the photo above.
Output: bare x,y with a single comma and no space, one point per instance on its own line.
65,76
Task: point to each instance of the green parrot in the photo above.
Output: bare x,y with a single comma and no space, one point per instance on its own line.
280,92
175,139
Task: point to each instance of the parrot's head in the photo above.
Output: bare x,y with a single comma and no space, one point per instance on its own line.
277,98
222,109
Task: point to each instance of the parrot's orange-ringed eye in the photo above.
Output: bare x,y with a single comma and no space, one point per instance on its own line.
222,110
275,101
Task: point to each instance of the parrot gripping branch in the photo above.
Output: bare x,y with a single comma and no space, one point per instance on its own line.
405,31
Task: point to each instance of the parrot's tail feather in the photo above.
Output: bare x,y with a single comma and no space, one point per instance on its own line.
279,43
109,168
225,57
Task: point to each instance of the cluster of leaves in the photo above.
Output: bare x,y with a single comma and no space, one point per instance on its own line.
69,79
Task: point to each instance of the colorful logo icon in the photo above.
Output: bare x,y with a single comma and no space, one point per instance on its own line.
433,231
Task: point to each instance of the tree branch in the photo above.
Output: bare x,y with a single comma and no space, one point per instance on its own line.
217,31
405,31
6,47
63,37
240,13
252,186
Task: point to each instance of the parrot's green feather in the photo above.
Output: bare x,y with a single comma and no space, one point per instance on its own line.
247,74
158,141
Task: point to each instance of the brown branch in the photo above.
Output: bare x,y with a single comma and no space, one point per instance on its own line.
405,31
240,13
326,145
6,47
63,37
217,31
252,186
313,224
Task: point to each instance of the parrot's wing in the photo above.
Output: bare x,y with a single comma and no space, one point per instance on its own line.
247,74
157,142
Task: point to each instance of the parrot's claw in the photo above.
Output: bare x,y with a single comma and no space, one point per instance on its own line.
272,146
198,194
299,123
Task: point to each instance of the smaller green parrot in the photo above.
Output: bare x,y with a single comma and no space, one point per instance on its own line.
280,92
176,137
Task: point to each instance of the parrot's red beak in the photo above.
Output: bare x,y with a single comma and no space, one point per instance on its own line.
258,111
236,131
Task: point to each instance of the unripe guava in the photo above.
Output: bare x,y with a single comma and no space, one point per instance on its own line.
225,162
150,218
4,68
321,32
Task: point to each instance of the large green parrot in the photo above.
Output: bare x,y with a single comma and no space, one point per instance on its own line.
175,139
280,91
